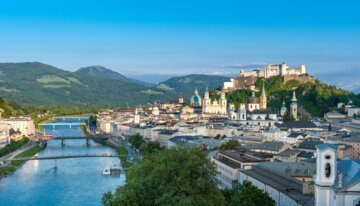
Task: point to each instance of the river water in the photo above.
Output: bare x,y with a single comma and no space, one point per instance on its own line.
75,181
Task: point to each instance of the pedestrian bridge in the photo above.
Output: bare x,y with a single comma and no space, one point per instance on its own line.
87,138
69,156
63,124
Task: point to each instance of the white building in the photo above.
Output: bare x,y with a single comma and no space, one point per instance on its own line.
337,182
214,107
24,124
4,135
353,110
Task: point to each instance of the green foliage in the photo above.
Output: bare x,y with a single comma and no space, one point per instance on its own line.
34,83
150,147
176,176
238,96
231,144
247,195
185,85
316,98
288,117
293,84
14,145
122,151
305,118
136,140
28,153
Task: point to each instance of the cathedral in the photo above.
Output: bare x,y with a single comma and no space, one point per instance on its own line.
337,181
214,107
195,100
255,112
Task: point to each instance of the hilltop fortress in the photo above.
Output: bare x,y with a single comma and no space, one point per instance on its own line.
247,79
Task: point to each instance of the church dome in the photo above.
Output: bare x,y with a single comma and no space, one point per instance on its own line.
253,99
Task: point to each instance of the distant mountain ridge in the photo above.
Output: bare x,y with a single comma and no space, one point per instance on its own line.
100,71
36,83
185,85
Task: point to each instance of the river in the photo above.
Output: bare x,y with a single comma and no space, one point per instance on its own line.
73,182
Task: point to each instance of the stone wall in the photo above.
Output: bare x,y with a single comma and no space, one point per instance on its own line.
300,78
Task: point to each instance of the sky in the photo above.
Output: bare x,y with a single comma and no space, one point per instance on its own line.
164,38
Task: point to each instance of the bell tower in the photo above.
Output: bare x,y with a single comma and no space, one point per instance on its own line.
294,106
326,164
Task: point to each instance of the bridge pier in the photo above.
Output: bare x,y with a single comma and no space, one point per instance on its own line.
53,126
70,126
87,141
62,142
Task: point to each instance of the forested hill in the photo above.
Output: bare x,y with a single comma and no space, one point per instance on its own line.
185,85
35,83
42,84
316,98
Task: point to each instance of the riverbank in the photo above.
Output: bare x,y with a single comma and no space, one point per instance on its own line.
84,130
14,165
121,150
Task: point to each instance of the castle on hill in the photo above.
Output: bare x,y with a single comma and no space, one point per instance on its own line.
247,79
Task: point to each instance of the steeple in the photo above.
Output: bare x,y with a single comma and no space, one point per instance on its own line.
206,93
263,94
294,97
263,100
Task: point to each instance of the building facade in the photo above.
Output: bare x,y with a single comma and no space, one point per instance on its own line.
25,125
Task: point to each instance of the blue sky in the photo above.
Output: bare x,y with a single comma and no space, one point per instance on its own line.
180,37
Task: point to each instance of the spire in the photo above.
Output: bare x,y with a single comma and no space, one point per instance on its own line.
253,94
196,92
263,94
294,97
207,92
283,103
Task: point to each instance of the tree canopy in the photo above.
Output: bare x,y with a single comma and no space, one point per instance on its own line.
176,176
247,195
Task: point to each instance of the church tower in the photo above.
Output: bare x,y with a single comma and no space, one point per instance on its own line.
263,100
294,106
223,103
206,101
326,165
242,112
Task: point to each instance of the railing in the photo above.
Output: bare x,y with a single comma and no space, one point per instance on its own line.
70,156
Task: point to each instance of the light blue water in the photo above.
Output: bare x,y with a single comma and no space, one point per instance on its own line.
75,181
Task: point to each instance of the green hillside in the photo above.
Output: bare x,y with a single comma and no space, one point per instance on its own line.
42,84
316,98
185,85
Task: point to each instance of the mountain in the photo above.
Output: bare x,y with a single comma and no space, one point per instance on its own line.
100,71
42,84
185,85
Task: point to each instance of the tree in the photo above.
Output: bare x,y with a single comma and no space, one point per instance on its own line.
231,144
305,118
288,117
247,195
136,140
150,147
175,176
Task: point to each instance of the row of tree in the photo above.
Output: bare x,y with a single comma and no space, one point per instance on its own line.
14,145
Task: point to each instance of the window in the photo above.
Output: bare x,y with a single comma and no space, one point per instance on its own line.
327,170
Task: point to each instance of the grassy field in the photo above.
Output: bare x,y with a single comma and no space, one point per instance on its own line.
15,164
122,151
28,153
